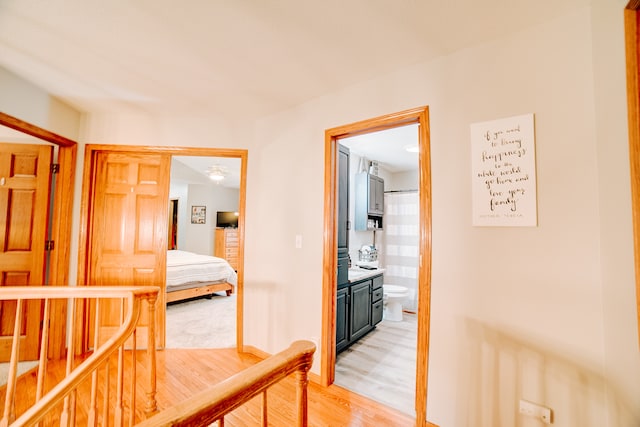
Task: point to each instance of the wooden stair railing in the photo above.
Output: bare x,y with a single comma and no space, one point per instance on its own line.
213,404
58,401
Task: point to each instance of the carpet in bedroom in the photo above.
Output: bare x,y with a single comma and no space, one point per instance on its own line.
202,323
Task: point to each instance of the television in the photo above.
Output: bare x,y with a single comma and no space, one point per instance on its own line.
226,219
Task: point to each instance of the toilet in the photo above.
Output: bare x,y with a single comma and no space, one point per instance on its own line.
393,296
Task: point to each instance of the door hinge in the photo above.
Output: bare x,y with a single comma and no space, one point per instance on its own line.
49,245
55,167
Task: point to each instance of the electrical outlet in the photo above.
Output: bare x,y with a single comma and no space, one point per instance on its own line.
527,408
545,415
536,411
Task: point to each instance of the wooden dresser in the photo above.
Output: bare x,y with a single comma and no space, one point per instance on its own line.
226,245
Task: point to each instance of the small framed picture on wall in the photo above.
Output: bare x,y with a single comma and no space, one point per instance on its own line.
198,214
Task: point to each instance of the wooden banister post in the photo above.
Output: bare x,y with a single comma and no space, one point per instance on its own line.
265,421
302,381
9,404
151,406
214,403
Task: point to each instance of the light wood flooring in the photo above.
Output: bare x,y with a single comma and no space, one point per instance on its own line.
182,373
382,364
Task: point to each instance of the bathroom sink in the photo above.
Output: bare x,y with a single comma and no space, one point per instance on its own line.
356,274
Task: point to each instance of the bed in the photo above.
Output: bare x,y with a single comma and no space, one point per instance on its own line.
192,275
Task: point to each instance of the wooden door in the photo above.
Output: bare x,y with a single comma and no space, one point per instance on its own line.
24,205
128,236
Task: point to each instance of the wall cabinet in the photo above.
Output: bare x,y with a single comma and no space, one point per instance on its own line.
369,200
376,195
358,310
226,245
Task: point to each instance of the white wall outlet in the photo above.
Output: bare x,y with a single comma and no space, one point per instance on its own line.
298,241
540,412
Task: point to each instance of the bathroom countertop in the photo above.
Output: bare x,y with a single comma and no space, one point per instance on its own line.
356,274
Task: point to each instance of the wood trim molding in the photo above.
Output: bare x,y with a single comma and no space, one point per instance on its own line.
33,130
330,261
61,234
632,40
87,189
420,116
62,209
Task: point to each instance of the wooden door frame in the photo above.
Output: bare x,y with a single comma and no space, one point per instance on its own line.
632,47
418,116
62,209
87,180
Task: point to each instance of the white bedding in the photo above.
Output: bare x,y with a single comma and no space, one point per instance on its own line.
186,267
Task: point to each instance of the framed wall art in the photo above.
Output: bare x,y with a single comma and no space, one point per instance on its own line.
504,172
198,214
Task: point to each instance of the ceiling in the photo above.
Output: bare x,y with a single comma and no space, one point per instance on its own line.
238,59
193,170
388,148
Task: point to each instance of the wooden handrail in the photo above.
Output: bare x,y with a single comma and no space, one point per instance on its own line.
133,295
201,410
58,292
213,404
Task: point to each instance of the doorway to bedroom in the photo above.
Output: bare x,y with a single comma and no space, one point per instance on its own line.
144,225
204,202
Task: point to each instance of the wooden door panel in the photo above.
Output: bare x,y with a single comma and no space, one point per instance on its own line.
146,225
128,241
18,227
114,237
24,205
7,317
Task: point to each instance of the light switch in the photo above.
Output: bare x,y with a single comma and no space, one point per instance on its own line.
298,241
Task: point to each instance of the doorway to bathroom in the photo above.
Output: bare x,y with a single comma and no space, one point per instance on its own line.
381,364
333,137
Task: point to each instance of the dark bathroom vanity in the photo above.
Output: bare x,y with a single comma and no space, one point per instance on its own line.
358,307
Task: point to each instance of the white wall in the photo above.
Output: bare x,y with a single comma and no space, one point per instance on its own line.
27,102
403,181
194,189
199,238
516,312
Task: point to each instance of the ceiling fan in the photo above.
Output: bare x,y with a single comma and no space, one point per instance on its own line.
217,173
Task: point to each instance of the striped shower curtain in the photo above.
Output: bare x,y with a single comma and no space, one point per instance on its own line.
400,243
